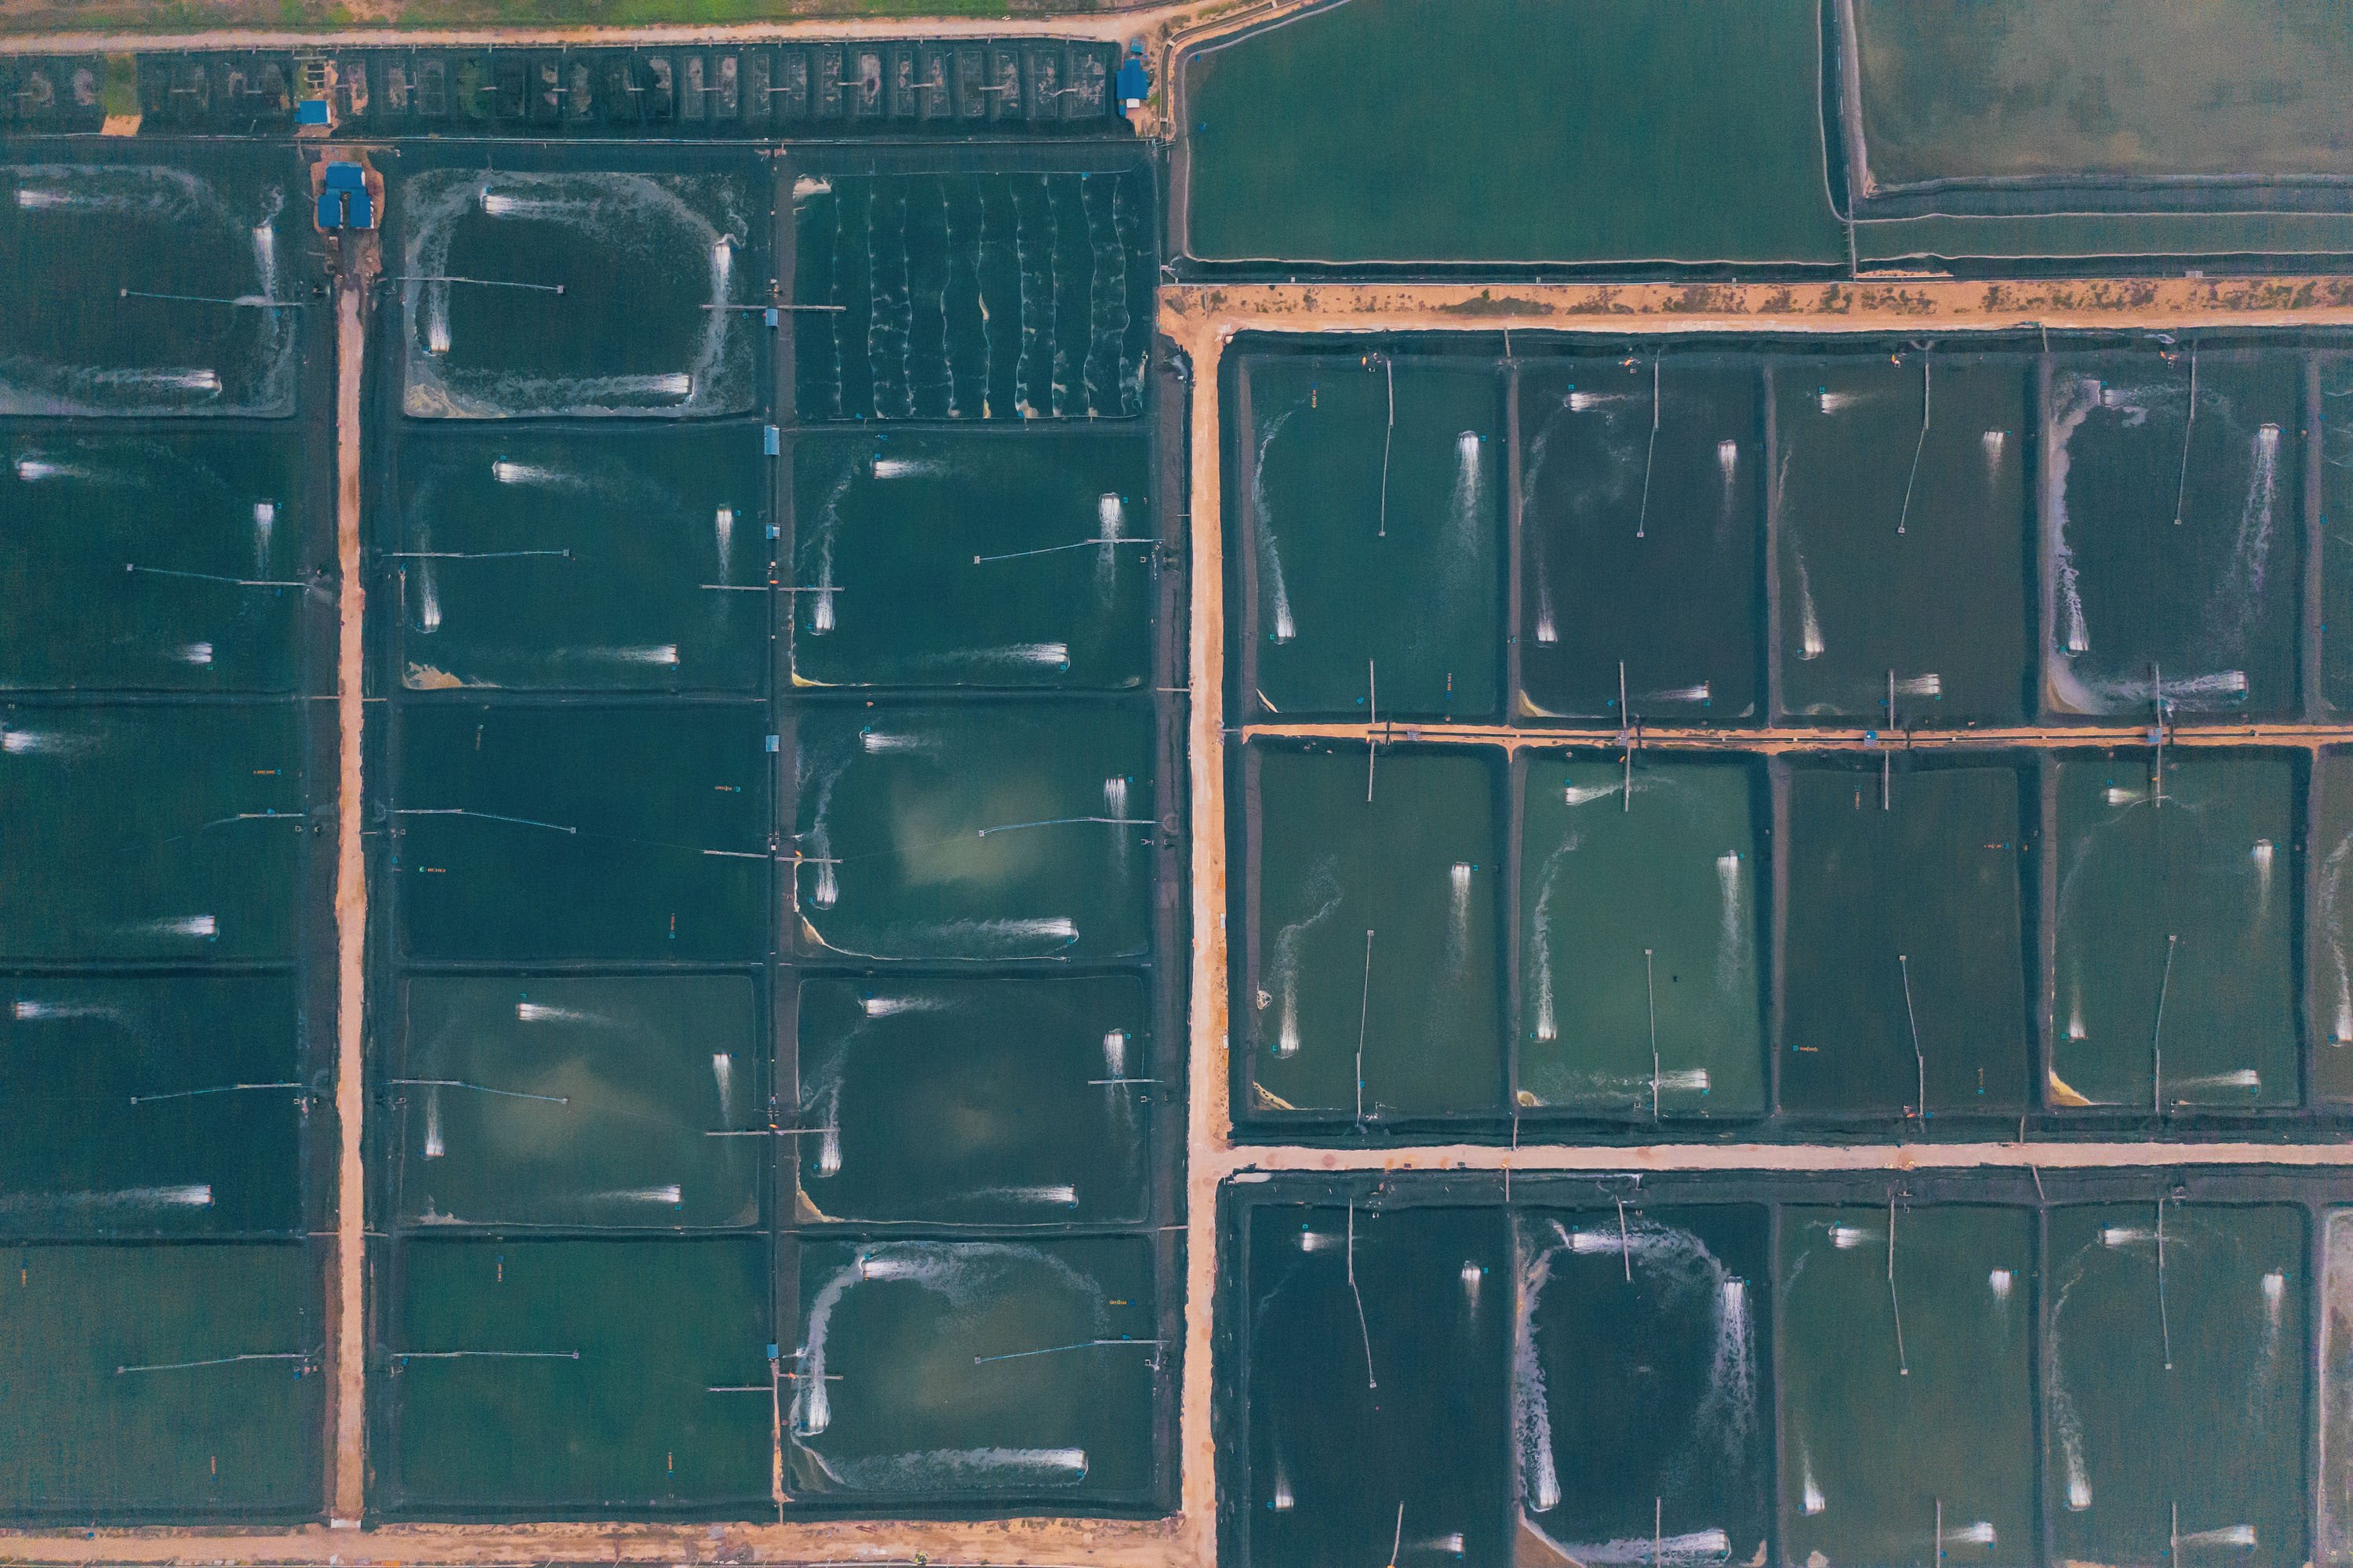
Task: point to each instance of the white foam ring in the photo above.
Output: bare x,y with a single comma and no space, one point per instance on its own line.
1687,1276
963,1275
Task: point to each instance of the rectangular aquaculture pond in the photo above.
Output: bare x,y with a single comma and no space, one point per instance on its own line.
1918,943
1990,1367
1962,531
171,1383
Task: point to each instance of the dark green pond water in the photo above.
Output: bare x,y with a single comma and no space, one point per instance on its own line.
1639,923
201,516
90,240
140,1105
150,833
632,1350
2177,1383
1907,1427
929,559
101,1412
1902,526
587,1103
618,562
583,833
2328,980
984,1370
973,296
645,263
963,1102
1377,1395
1902,939
2175,982
1640,483
2170,542
1371,983
1370,521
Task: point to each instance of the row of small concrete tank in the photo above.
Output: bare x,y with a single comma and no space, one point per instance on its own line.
733,90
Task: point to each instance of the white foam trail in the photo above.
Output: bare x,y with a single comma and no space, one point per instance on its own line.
1693,1546
1994,442
2126,1236
665,654
1728,460
2228,1535
1686,1080
1323,882
1999,1282
877,742
905,468
507,472
34,469
436,321
722,1074
2262,854
1584,402
194,653
1839,402
1810,1499
893,1006
1698,694
1283,1498
1547,631
540,1012
428,594
1060,1197
672,1195
1847,1237
43,743
1728,922
1978,1534
184,926
723,265
434,1147
1586,794
1458,925
162,380
265,524
38,198
1921,686
1111,527
1270,556
2245,1078
1114,1050
1809,625
2332,924
2120,796
193,1195
2275,1288
29,1010
722,535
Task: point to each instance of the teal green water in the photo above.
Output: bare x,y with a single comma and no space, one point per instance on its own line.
151,832
2183,902
1902,507
80,1438
1372,984
583,833
1421,131
615,1390
1377,1406
615,562
1640,1376
581,1102
972,560
2170,541
976,832
87,239
975,1369
977,1102
120,1112
201,514
2177,1384
2334,373
1640,484
626,279
2328,980
1639,928
1902,941
1907,1426
1367,536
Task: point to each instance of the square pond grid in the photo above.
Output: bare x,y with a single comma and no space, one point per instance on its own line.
1698,739
772,820
167,748
1994,1368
